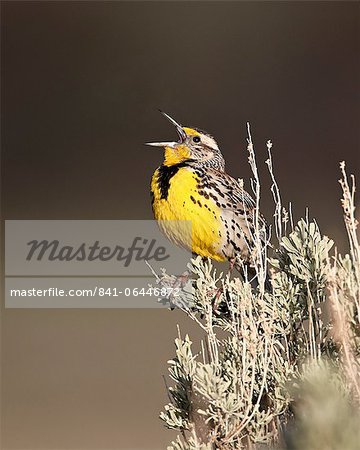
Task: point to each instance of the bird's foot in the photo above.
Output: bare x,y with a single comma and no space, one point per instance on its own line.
217,299
231,265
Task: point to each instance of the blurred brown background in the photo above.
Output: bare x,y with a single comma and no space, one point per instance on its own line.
81,84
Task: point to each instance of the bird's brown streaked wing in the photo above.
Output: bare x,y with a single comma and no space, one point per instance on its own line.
232,196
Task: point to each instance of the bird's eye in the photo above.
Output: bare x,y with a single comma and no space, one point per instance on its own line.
196,139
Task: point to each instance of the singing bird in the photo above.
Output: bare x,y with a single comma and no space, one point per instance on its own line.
192,187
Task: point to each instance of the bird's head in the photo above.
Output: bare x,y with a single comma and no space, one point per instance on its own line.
194,146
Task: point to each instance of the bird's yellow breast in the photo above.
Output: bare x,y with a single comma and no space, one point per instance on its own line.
185,216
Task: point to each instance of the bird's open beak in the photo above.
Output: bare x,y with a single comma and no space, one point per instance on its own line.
179,129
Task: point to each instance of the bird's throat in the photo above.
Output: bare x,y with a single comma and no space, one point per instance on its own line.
176,155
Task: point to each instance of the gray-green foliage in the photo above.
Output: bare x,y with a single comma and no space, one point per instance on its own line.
326,416
240,390
302,263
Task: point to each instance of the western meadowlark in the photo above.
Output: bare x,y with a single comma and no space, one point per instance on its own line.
192,185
